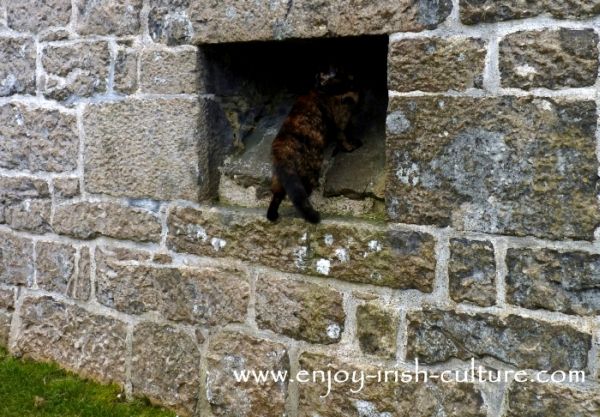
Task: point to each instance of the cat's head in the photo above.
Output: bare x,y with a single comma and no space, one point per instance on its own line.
335,81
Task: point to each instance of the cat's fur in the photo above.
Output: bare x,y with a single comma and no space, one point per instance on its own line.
316,120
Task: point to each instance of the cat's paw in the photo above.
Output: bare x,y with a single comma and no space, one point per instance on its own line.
312,216
272,215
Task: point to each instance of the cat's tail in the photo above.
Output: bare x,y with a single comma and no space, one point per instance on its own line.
295,190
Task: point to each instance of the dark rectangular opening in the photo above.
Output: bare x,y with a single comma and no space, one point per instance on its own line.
255,85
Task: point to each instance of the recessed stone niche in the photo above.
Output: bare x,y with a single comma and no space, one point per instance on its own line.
254,86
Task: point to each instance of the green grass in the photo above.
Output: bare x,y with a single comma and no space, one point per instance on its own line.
32,389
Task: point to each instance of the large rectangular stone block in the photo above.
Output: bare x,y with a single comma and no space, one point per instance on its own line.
436,64
205,296
145,148
436,336
75,71
479,11
166,366
89,344
534,399
549,59
17,66
508,165
377,330
361,253
170,71
204,21
300,310
108,17
568,282
88,220
231,352
37,15
36,139
380,398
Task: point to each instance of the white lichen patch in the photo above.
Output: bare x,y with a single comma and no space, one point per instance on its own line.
525,71
217,243
397,123
342,254
300,257
375,246
197,231
328,239
323,266
368,409
408,175
333,331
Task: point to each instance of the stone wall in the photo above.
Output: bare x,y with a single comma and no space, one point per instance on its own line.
115,264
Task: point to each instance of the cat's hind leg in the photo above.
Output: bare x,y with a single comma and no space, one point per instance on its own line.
299,196
278,196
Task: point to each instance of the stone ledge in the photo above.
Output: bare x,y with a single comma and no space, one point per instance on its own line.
355,252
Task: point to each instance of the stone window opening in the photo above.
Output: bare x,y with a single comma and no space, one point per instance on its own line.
254,86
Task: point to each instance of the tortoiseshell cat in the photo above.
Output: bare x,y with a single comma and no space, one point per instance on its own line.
316,120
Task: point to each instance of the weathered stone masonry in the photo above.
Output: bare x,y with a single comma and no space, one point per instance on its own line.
115,263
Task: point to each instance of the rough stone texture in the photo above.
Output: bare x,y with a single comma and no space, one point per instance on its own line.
17,66
365,254
75,71
208,21
436,336
36,15
7,299
60,270
121,254
436,64
382,399
552,400
89,344
234,352
52,35
16,260
169,71
166,366
528,171
88,220
126,70
568,282
300,310
25,204
205,296
65,188
472,272
5,320
108,17
479,11
377,330
549,59
36,139
146,149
